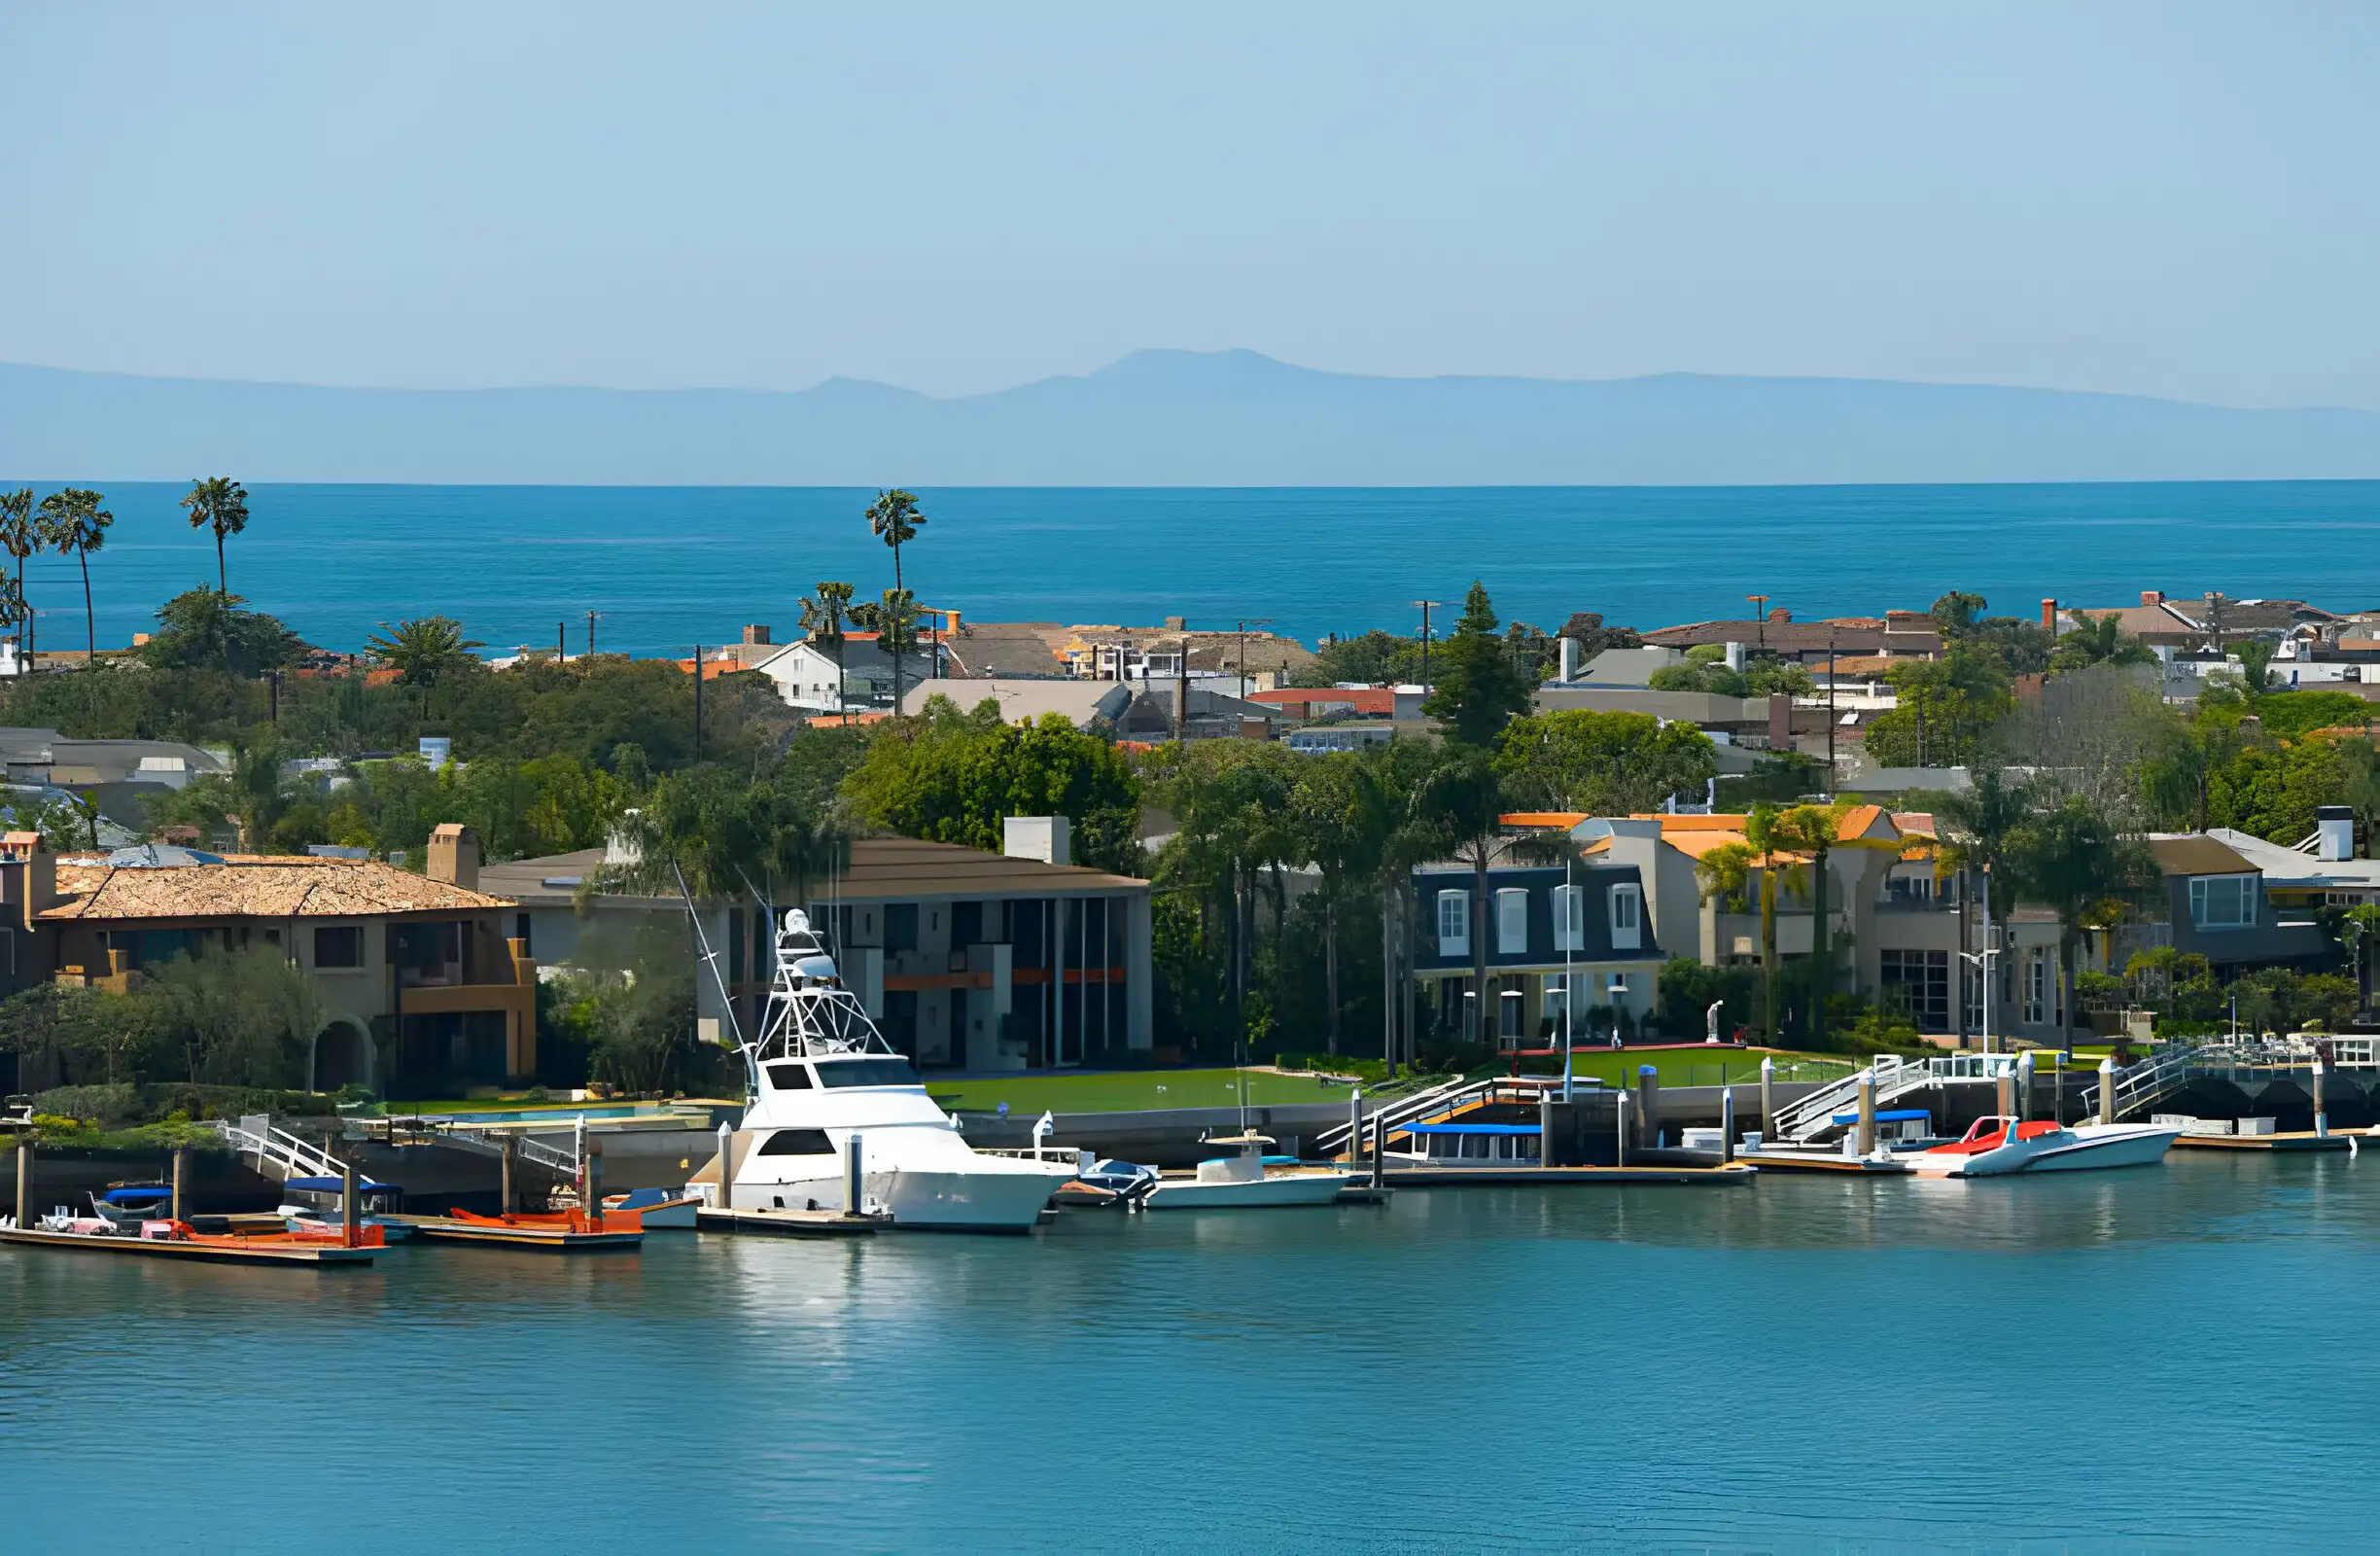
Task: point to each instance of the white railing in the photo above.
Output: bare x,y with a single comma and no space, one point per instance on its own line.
2140,1086
1895,1077
1438,1101
487,1143
255,1136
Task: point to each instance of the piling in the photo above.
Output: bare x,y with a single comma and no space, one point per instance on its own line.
2024,1085
2107,1091
593,1203
1866,1113
1648,1105
2322,1118
1768,1099
726,1167
181,1172
2007,1089
1379,1151
1727,1125
1355,1136
1620,1101
1545,1127
25,1180
351,1222
504,1188
852,1174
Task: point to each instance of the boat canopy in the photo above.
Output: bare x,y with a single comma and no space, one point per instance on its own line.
1464,1129
331,1185
137,1194
1888,1115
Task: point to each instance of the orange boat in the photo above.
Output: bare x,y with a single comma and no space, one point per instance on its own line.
567,1220
366,1236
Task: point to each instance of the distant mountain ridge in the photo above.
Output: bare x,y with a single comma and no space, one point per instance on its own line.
1163,418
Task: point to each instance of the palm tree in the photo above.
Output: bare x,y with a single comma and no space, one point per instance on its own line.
220,504
1459,806
2099,640
894,519
20,538
1726,870
1817,831
1976,825
2075,859
423,650
72,520
822,615
1342,825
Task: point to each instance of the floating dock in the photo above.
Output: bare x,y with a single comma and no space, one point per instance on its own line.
1811,1161
538,1239
239,1251
785,1222
2295,1140
1546,1177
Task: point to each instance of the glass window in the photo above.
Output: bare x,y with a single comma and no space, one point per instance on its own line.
338,946
798,1142
2223,902
1512,922
1918,982
790,1077
1454,923
1626,917
834,1073
1569,918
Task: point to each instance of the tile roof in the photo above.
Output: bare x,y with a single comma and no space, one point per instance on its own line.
254,886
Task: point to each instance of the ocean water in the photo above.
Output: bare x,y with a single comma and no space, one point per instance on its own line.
2160,1359
667,568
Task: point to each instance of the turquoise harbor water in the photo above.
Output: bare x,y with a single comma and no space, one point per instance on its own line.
2157,1359
670,567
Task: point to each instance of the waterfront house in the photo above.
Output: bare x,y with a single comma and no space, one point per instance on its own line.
424,991
966,959
1579,938
854,673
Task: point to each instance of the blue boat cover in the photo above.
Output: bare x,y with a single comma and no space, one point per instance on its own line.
331,1185
1890,1116
138,1194
1462,1129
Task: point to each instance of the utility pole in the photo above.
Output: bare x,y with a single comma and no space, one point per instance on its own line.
1260,620
1425,638
698,702
1759,619
1181,690
561,642
590,634
1830,784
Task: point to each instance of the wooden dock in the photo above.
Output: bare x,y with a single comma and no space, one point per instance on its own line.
1549,1177
537,1238
1811,1161
2295,1140
785,1222
235,1252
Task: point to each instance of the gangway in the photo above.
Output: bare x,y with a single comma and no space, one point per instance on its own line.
275,1152
1442,1102
1806,1118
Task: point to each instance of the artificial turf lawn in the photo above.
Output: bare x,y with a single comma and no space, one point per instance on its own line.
1129,1090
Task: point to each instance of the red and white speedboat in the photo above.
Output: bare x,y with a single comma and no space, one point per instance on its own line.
1993,1147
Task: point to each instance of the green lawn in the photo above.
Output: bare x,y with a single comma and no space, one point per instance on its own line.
1685,1067
1127,1091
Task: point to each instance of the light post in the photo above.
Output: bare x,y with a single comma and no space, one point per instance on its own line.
1257,621
1984,970
1759,619
1570,917
1426,637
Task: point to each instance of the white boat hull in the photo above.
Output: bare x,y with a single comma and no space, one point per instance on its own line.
967,1199
2085,1147
1272,1190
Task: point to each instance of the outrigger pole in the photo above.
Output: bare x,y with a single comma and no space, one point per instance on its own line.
711,960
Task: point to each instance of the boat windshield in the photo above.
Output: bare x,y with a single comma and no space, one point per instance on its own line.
894,1071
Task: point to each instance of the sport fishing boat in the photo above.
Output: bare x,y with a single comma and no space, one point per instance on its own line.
820,1072
1994,1147
1247,1178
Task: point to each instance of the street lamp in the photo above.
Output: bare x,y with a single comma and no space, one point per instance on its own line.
1426,637
1759,619
1254,621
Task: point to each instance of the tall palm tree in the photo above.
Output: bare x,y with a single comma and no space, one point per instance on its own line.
220,504
423,651
822,615
1725,871
2073,859
1817,831
894,519
1341,826
72,520
1459,806
20,538
1976,825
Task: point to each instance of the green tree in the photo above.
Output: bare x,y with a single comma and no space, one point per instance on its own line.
822,615
1372,658
220,504
1478,688
2075,858
426,652
21,537
2098,639
207,629
1603,764
1459,808
2272,791
1342,821
73,521
239,1018
894,519
2289,715
1728,873
1955,614
1818,831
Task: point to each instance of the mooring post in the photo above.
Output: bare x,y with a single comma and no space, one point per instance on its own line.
1620,1101
2107,1091
1867,1112
2024,1085
594,1194
1768,1101
1727,1125
1379,1151
1356,1139
349,1220
726,1166
1545,1127
24,1178
2007,1090
181,1170
852,1173
1648,1106
2321,1118
504,1188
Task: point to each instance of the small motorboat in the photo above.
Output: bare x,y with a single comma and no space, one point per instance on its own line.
1246,1179
1994,1147
129,1204
654,1207
314,1203
1107,1184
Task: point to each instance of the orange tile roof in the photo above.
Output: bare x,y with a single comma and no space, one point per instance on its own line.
1562,818
254,886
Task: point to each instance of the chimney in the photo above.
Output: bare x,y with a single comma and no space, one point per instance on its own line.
454,856
28,877
2335,833
955,627
1780,616
2153,597
756,636
1047,838
1177,623
1569,660
2049,616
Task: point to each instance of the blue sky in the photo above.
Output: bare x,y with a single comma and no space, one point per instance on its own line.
2171,199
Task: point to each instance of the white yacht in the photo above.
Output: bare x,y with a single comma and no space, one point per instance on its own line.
820,1072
